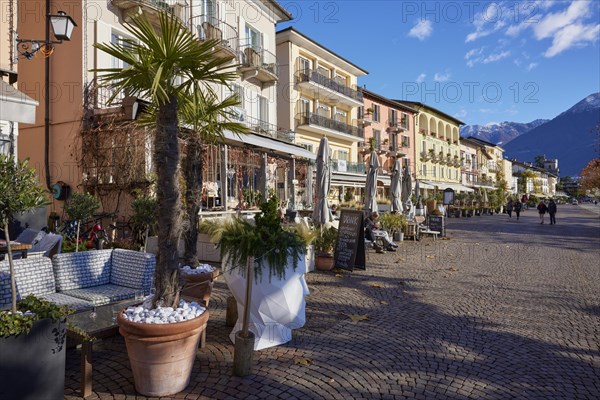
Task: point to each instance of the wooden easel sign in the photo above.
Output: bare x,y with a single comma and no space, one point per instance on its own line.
350,245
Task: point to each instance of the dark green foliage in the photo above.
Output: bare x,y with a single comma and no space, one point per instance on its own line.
266,241
15,324
325,240
81,206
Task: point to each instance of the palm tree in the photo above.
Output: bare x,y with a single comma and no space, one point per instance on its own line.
207,120
164,66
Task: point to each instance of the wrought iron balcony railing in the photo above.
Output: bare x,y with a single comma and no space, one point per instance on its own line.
316,77
329,123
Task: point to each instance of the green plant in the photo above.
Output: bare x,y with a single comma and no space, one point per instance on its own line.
29,310
349,195
20,192
265,241
325,240
72,247
392,222
80,207
305,232
145,215
167,66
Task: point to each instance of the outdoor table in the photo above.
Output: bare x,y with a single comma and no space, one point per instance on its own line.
84,328
14,246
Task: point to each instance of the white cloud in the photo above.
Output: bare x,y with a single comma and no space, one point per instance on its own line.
572,35
554,22
438,77
495,57
474,56
461,113
422,30
531,66
421,78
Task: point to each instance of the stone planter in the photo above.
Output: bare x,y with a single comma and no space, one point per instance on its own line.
399,236
162,355
276,306
32,366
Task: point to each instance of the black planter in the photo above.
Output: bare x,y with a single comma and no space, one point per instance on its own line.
32,366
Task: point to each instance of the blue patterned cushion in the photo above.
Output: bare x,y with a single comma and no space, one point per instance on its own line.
82,270
101,295
33,276
63,300
132,269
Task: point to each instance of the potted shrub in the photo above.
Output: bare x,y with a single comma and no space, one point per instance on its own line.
145,214
80,207
394,224
324,245
33,332
187,65
262,262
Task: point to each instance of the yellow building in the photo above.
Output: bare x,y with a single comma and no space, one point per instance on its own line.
437,137
491,168
318,97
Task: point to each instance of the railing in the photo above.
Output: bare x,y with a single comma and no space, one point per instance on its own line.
347,166
316,77
211,28
255,56
324,122
263,128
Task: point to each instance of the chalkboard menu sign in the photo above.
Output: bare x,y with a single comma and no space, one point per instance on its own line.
350,246
437,223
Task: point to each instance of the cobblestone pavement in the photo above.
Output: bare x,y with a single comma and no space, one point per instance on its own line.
502,309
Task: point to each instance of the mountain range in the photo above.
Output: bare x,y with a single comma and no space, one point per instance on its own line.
571,137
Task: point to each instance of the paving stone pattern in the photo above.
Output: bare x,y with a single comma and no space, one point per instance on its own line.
500,310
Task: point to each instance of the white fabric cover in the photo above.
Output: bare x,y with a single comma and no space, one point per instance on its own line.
276,307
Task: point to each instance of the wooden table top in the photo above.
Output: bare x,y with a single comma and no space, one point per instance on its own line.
16,246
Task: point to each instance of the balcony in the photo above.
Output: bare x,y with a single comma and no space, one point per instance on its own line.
365,119
226,36
425,156
257,63
263,128
347,166
397,125
397,151
151,8
322,87
323,125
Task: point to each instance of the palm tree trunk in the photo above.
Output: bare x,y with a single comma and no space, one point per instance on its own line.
166,164
193,197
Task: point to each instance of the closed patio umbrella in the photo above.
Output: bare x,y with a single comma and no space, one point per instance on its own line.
371,187
396,187
321,213
484,196
262,183
406,185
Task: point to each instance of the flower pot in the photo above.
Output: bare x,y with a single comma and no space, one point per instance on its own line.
276,305
419,212
198,285
162,355
431,206
32,366
399,236
324,263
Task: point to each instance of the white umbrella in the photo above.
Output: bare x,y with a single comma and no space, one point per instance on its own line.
406,185
371,187
321,213
484,196
396,187
309,184
262,183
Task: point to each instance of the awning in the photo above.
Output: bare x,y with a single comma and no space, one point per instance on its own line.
350,180
426,185
276,146
16,106
457,187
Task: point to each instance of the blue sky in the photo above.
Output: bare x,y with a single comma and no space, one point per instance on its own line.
480,61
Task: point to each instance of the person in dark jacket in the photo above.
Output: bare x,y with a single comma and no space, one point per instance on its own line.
542,208
518,207
552,212
509,208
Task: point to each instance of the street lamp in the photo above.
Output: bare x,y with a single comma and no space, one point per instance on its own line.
62,26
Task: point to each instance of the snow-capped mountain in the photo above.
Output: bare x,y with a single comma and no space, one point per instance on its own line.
500,133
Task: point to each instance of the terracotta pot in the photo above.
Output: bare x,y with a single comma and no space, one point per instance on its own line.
162,355
324,263
198,286
431,206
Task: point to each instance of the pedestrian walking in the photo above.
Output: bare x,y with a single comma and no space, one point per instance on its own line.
509,208
552,212
518,207
542,208
524,201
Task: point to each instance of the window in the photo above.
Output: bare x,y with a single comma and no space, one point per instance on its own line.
324,71
377,136
323,110
441,172
342,155
303,65
263,112
404,121
308,146
239,91
209,8
393,117
424,170
394,141
340,116
433,170
376,113
423,147
253,38
340,79
304,106
405,141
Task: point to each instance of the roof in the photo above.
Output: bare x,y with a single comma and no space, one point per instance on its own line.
419,104
476,139
292,30
383,99
285,13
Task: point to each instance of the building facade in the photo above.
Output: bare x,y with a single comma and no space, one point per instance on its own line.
491,169
318,97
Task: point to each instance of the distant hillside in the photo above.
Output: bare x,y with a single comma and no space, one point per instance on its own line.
500,133
570,137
